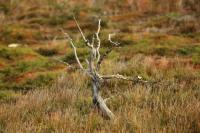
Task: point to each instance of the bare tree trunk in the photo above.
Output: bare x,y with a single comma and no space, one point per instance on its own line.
99,102
93,67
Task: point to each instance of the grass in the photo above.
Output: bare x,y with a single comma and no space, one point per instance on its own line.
169,105
161,45
47,52
13,54
7,96
12,33
24,69
39,80
37,93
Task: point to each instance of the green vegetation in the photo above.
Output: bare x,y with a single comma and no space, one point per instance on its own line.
25,69
82,53
14,54
13,33
159,42
47,52
8,96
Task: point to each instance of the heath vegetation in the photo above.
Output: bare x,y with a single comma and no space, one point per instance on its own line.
42,88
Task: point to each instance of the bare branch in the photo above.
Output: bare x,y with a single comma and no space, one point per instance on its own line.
110,39
57,59
103,107
118,76
86,60
75,52
74,48
99,41
84,38
121,77
99,101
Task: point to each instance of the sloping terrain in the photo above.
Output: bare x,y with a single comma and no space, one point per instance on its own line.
39,92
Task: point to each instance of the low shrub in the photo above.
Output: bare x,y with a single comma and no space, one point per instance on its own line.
47,51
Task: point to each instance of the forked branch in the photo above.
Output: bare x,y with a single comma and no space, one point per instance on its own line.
75,52
93,67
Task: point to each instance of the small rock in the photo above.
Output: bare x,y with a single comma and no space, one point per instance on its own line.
13,45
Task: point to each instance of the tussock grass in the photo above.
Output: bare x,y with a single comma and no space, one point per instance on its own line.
33,98
170,105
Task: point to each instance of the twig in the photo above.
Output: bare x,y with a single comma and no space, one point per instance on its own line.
75,53
74,48
84,38
99,41
121,77
110,39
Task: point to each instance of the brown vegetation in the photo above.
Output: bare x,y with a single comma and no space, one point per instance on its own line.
159,40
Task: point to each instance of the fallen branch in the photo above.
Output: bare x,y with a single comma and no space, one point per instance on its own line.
121,77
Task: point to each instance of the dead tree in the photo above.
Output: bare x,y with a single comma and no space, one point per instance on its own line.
94,63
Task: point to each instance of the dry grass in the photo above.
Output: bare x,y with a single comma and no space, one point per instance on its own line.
171,105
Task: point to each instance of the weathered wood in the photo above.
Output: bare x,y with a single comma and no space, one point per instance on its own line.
93,67
99,102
